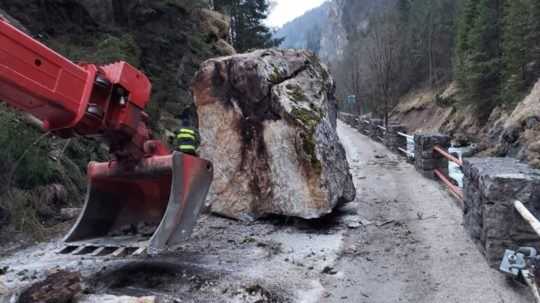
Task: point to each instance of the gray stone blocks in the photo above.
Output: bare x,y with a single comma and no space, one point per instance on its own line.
393,140
491,187
426,159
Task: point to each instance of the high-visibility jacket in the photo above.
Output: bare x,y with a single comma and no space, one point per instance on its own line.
187,141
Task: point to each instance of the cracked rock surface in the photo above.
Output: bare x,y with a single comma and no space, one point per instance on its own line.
268,123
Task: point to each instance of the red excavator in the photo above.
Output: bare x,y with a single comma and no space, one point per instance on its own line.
147,198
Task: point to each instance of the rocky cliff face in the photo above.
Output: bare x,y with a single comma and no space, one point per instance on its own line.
519,132
296,32
334,37
268,122
323,23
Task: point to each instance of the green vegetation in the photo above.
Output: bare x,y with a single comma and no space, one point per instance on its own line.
247,27
309,120
480,69
113,49
497,50
26,158
101,49
490,47
296,93
29,162
163,38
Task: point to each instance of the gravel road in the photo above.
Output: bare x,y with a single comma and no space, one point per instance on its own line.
400,241
416,249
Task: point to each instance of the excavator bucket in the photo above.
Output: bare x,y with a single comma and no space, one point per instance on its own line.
151,207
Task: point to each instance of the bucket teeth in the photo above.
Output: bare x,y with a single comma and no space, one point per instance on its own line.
98,251
154,205
67,250
120,252
102,251
78,251
139,251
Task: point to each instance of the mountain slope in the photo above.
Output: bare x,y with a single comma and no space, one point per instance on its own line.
297,32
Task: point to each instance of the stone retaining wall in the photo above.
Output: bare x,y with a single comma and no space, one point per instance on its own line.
491,187
393,140
426,160
348,118
370,128
374,132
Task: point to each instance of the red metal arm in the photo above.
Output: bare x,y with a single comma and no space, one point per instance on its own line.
102,101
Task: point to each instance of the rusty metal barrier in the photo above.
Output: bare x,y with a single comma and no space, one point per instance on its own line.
448,156
455,190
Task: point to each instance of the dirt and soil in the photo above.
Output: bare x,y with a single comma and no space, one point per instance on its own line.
509,130
400,241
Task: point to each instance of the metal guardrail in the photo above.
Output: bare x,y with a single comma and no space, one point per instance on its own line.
381,127
528,216
408,153
448,156
455,190
410,141
409,137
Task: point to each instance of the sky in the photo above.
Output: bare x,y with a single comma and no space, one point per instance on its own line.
287,10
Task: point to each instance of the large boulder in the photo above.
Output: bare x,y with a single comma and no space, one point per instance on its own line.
268,122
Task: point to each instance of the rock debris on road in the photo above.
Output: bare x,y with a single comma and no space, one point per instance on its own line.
417,250
401,240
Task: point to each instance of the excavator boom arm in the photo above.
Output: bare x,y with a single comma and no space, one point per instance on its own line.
70,99
145,186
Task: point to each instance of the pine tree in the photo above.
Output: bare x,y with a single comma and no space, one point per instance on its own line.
533,36
468,11
516,49
481,67
247,28
404,10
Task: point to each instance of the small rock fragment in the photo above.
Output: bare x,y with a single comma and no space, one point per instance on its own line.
328,270
60,287
353,225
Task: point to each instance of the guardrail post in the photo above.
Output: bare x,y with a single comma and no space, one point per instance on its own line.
374,130
491,185
393,140
363,126
426,160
